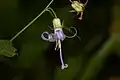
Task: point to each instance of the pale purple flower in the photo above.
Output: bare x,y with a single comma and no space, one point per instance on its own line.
57,37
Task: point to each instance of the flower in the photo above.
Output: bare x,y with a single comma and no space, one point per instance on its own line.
57,37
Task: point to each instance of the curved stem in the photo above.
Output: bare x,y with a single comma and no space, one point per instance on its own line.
70,1
86,3
31,22
52,11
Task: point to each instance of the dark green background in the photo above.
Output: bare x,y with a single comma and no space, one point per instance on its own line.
37,59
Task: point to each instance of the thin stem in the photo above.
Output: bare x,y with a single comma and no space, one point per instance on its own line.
31,22
52,11
86,3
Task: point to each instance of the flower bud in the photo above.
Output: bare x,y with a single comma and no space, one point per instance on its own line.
57,23
77,6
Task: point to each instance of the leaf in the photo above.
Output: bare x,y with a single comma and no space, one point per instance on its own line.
6,48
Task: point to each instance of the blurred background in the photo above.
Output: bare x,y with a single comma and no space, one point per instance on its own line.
95,57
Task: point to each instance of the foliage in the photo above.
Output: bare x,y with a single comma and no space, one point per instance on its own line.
6,48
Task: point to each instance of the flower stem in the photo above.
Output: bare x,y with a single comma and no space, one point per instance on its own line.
52,11
31,22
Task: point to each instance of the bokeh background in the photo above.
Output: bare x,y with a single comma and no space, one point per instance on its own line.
95,57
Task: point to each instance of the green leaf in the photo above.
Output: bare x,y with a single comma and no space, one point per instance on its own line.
6,48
